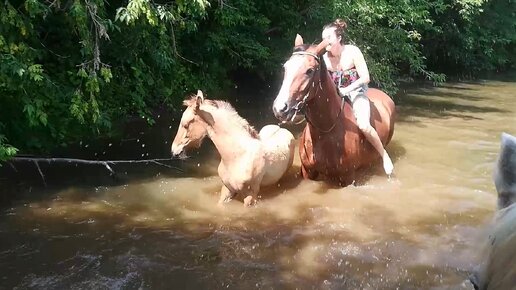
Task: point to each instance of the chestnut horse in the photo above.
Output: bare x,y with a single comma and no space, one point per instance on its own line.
331,143
249,159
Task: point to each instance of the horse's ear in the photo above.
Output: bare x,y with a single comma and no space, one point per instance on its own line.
321,47
199,99
298,41
200,94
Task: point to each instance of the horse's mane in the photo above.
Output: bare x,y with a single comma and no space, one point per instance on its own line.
230,112
302,47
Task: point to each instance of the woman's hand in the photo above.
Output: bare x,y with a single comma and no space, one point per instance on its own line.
344,91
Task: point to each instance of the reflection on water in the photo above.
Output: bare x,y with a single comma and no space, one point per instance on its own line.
420,229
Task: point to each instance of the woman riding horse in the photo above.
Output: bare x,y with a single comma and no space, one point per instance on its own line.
331,144
348,69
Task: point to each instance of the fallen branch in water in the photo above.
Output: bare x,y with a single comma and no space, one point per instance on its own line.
105,163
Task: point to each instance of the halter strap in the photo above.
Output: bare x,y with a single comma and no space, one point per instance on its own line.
334,123
307,53
302,103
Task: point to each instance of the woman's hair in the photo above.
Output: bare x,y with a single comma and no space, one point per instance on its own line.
340,26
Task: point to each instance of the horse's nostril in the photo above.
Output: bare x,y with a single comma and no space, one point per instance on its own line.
175,150
281,108
285,108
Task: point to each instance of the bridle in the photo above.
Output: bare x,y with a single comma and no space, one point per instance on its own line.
300,105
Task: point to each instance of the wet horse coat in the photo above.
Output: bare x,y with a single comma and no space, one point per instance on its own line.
331,143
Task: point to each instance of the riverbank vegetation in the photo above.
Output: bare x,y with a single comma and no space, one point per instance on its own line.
74,69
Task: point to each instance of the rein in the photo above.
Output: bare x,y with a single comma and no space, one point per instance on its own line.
334,123
302,103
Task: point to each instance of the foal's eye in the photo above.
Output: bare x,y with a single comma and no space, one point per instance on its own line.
309,71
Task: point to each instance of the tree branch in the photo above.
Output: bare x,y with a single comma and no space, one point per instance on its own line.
100,31
105,163
174,45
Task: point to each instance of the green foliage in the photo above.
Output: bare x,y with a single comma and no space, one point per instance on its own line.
74,69
472,36
389,33
6,150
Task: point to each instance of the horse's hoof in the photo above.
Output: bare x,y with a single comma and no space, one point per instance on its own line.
249,201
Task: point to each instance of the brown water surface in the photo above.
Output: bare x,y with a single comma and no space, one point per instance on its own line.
419,230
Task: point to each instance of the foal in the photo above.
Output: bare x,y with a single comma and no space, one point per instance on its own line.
249,159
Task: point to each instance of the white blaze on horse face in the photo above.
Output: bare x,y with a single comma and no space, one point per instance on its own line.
292,66
181,140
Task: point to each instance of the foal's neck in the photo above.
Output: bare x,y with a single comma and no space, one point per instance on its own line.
229,137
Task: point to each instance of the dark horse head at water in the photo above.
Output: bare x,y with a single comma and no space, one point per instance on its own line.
496,269
332,146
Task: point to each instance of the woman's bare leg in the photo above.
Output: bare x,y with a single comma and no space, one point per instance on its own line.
362,110
372,136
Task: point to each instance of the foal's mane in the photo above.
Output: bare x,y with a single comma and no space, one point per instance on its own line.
229,110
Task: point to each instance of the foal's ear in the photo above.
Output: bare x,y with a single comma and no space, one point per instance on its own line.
200,94
199,99
321,47
298,41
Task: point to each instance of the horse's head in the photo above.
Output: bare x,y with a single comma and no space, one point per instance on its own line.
302,71
192,128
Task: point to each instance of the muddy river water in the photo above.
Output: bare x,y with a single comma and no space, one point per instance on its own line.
419,230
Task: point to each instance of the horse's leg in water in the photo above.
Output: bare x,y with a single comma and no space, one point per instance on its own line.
249,200
251,195
225,195
347,179
308,174
307,156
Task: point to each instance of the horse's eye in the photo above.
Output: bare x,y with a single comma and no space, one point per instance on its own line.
309,71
